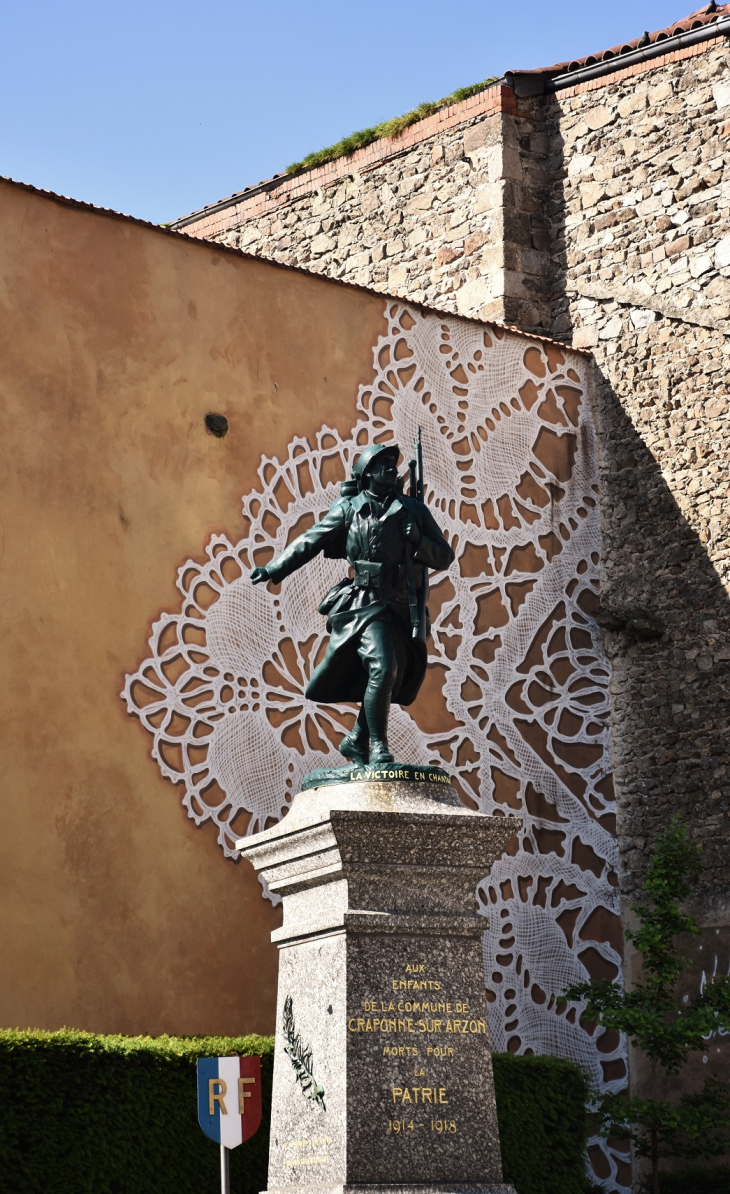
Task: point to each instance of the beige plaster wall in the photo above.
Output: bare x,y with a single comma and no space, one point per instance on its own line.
116,912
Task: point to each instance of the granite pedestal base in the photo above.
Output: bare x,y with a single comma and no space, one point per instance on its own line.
382,1072
381,1188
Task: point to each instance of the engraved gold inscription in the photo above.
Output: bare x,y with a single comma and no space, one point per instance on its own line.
416,1005
442,1126
308,1142
408,1025
383,774
419,1094
297,1161
402,1125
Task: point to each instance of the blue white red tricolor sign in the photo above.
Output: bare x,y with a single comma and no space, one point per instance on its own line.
229,1098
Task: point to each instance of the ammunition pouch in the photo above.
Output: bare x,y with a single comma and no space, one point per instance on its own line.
331,599
369,574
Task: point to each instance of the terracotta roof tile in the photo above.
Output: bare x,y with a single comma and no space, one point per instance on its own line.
696,20
702,16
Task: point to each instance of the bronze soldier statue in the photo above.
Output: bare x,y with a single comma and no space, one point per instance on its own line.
378,620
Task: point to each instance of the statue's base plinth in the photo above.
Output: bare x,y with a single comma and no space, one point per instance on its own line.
386,773
442,1188
383,1069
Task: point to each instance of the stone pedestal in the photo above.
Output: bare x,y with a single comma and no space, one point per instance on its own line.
383,1071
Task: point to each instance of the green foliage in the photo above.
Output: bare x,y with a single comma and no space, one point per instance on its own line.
698,1124
695,1126
118,1115
648,1014
541,1105
388,128
675,860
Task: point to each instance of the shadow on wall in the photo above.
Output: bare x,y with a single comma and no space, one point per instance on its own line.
666,613
664,609
671,685
670,693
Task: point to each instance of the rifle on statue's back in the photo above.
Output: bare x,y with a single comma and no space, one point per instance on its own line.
417,598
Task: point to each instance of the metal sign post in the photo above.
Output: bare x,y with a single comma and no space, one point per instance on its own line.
229,1104
225,1171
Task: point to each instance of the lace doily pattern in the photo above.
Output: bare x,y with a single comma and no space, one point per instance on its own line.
516,699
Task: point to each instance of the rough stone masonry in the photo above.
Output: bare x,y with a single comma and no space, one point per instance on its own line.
598,213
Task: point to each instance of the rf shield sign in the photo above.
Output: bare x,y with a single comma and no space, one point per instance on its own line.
229,1098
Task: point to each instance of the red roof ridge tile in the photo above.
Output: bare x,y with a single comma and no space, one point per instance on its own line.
695,20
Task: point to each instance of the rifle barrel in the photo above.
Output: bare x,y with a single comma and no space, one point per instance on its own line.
419,468
420,619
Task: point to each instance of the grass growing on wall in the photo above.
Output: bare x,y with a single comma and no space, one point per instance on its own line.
84,1114
388,128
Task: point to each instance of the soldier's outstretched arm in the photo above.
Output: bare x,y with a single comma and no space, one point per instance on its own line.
305,547
433,550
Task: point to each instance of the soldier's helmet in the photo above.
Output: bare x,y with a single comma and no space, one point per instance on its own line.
369,455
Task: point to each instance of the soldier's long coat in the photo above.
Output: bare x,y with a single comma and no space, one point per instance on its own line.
351,530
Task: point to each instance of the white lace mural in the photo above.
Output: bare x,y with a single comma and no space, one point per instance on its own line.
515,704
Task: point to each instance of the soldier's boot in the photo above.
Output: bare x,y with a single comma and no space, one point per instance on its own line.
377,707
356,745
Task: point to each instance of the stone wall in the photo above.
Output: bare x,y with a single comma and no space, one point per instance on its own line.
449,214
639,226
601,214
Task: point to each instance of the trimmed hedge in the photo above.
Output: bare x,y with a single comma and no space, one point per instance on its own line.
85,1114
118,1115
696,1179
541,1109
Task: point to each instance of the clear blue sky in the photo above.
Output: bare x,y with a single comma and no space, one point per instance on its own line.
156,108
